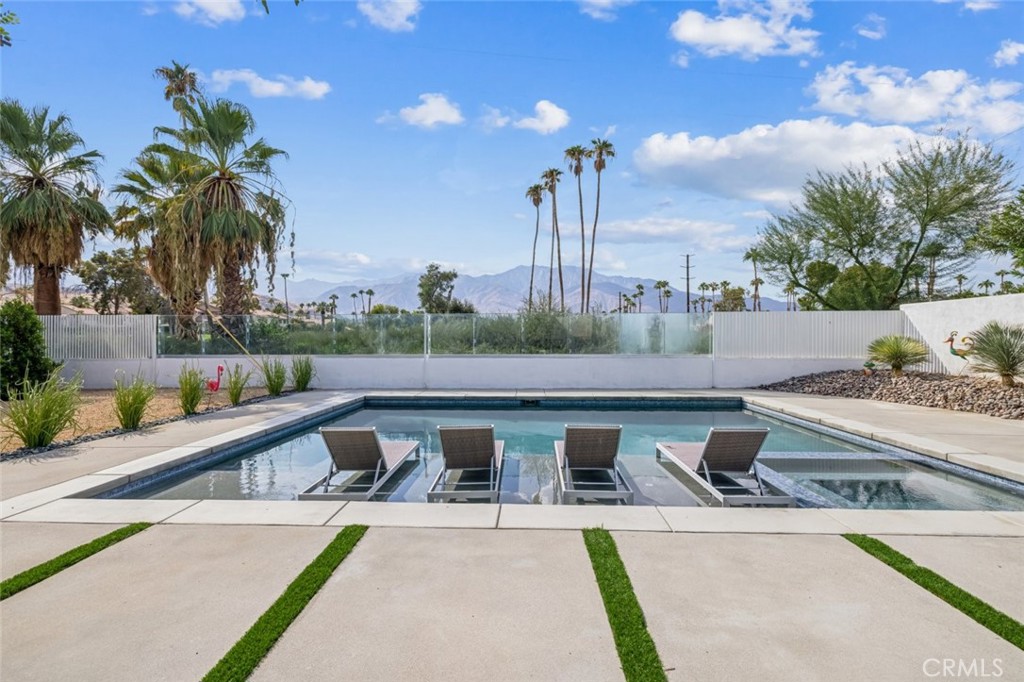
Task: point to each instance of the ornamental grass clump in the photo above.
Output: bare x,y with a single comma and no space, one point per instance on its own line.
190,389
44,409
237,379
274,376
131,400
999,349
303,372
897,352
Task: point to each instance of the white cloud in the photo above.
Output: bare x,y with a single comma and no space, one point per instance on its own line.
606,259
872,27
493,119
765,163
681,59
891,94
604,10
980,5
280,86
710,236
391,15
435,110
747,29
1008,54
549,118
149,9
210,12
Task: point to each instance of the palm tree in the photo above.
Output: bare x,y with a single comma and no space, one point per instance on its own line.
600,151
362,301
334,304
639,297
986,285
535,194
1001,274
551,178
790,292
354,297
960,279
369,299
574,156
235,205
703,288
932,251
713,287
181,86
753,255
48,198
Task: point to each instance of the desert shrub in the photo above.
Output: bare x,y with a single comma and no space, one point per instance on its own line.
131,400
191,383
999,349
237,379
43,410
897,352
81,301
274,375
22,349
303,372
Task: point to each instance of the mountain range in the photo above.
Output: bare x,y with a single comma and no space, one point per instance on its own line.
504,292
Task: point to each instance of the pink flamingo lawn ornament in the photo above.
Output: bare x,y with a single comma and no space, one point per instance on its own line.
213,385
963,353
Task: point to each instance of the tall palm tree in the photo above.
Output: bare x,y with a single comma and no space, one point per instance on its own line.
369,299
1001,274
639,297
551,178
703,288
600,151
574,157
753,255
535,194
236,204
334,305
354,297
661,286
790,292
181,86
932,251
986,285
48,198
960,279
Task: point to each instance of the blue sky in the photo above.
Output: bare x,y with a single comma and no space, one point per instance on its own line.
414,128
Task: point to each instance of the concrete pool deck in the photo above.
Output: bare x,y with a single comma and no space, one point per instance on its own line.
504,592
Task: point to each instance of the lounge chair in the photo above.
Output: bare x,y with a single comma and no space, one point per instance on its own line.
470,464
588,466
370,460
722,467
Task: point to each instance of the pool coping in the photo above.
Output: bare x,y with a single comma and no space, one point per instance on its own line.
73,501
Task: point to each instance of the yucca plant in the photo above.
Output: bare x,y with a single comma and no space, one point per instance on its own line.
274,376
999,349
44,409
303,372
237,379
131,400
190,389
897,352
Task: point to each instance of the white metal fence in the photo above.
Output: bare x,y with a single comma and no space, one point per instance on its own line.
100,337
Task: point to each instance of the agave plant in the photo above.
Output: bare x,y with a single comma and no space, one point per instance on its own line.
897,352
999,349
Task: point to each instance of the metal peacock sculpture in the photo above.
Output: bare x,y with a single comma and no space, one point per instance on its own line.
963,353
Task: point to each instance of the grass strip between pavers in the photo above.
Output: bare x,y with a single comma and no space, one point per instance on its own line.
637,653
242,659
28,578
995,620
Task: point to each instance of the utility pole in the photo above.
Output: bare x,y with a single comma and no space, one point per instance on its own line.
687,266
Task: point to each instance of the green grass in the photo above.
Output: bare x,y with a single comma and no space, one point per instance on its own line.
26,579
637,653
240,662
995,620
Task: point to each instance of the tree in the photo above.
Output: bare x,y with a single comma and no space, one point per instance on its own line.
661,286
879,222
986,285
387,309
181,86
354,296
436,289
574,157
49,198
535,194
551,178
369,298
601,151
638,296
752,255
334,304
960,279
23,351
7,18
1004,234
117,280
733,299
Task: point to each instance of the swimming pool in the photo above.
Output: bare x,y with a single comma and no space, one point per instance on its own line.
280,470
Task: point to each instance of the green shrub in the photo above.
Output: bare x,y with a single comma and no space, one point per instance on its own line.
190,389
897,352
43,410
999,349
131,400
22,349
274,375
303,372
237,379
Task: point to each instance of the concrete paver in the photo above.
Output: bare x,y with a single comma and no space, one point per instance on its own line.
571,516
92,484
989,568
24,545
258,512
774,607
739,520
925,522
413,604
88,510
417,515
26,474
165,604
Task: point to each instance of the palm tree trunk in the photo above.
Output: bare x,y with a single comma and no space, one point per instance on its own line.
558,242
233,294
46,289
583,250
533,261
551,264
593,238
